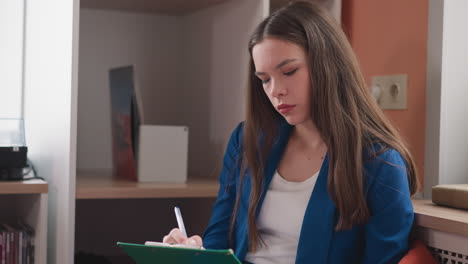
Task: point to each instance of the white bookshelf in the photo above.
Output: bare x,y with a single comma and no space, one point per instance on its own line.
184,71
191,67
26,202
191,59
173,7
49,109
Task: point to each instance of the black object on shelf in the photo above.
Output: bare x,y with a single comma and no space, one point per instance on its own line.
13,149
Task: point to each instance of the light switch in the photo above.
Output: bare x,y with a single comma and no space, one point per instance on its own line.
390,91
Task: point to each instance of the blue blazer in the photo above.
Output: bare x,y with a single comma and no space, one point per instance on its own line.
383,239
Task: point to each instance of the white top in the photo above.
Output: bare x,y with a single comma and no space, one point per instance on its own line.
280,220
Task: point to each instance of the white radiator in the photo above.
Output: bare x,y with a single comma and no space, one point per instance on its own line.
447,248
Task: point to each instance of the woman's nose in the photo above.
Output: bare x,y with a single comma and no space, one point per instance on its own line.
278,89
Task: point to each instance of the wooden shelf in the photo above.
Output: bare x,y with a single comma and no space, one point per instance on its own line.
102,185
446,219
175,7
23,187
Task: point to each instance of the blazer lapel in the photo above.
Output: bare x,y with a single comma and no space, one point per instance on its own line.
318,224
274,158
271,164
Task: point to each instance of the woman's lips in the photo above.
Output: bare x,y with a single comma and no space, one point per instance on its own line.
283,108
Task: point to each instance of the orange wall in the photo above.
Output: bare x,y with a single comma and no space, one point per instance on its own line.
390,37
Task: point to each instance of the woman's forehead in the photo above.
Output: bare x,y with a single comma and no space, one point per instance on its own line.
271,52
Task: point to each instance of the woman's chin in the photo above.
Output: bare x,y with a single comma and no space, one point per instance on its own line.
294,120
291,120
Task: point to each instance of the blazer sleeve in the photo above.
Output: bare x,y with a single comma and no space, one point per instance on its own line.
389,201
216,235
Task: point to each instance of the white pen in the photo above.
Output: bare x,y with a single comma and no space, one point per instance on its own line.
180,222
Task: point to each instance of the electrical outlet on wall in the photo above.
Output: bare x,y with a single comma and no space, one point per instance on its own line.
390,91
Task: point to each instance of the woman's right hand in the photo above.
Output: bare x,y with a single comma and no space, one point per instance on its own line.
176,237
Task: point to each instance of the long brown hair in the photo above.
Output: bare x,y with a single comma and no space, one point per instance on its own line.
347,117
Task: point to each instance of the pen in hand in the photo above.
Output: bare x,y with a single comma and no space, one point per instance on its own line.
180,221
178,236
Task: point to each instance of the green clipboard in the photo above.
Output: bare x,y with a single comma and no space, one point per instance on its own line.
146,254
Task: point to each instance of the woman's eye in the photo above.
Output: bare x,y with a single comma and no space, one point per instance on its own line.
265,81
289,73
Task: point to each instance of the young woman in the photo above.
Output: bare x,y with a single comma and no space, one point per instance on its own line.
316,173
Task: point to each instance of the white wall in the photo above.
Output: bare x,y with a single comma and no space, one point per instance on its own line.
216,65
454,125
446,154
333,6
110,39
192,71
50,88
11,57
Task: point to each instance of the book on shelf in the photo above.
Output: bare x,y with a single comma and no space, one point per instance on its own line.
16,244
126,117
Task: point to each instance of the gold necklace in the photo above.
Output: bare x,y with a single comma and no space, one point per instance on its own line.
321,156
320,148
